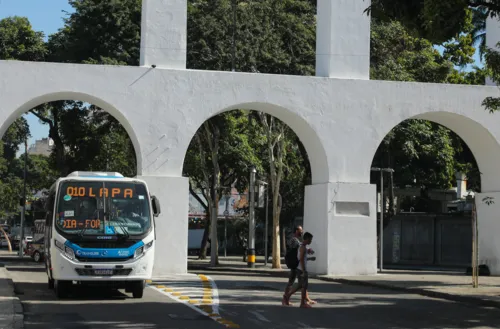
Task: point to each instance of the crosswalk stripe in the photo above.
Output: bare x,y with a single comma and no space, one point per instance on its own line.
198,292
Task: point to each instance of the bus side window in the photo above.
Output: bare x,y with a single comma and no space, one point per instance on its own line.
50,209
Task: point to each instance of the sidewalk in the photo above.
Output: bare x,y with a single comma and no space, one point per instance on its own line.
455,286
11,311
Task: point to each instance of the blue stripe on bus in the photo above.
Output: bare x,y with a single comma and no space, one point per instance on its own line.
104,253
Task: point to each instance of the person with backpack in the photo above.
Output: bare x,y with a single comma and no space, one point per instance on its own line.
301,273
292,262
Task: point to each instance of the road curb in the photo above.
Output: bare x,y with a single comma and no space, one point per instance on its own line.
419,291
275,273
18,315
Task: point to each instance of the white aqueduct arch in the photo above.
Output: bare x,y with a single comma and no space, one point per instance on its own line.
340,115
75,96
483,145
307,135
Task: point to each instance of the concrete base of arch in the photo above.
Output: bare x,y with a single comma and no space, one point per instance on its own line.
171,225
342,219
488,218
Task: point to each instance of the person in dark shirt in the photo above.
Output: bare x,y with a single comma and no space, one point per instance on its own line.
294,242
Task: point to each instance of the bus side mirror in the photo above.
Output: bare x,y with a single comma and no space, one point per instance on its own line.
156,206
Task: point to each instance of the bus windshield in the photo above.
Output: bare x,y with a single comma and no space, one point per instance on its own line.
103,208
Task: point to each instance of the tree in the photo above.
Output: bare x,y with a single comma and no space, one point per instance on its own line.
18,40
271,37
441,21
99,31
218,158
422,153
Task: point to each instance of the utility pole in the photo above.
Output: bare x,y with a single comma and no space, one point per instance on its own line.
251,221
226,213
382,207
23,210
266,191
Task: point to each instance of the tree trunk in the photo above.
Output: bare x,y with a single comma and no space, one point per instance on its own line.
204,240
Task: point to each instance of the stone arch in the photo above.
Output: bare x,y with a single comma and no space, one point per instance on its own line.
305,132
70,95
482,143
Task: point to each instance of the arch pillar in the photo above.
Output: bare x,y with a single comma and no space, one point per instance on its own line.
342,218
171,225
489,227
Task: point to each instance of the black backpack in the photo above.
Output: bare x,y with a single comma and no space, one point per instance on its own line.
291,259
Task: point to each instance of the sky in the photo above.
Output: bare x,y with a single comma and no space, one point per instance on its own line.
47,16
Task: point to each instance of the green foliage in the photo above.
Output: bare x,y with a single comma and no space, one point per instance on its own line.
221,148
271,36
99,31
422,153
444,20
18,41
398,56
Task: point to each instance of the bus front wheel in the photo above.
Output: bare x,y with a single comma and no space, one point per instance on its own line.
138,289
62,288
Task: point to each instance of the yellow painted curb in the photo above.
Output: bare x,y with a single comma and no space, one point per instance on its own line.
193,301
160,287
213,315
168,289
232,325
184,297
176,293
206,301
149,281
206,308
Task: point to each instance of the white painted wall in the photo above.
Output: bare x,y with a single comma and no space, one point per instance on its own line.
164,33
343,39
346,242
492,38
171,224
489,227
341,122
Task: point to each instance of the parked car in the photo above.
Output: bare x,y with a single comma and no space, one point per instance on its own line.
36,249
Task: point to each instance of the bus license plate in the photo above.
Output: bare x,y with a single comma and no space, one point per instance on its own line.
103,272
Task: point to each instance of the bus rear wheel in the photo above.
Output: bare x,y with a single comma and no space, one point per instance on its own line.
37,257
62,288
138,289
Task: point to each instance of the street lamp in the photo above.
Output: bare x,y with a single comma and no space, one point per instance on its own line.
251,220
23,198
260,182
381,242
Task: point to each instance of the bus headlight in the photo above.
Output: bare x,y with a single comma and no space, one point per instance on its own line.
138,252
69,253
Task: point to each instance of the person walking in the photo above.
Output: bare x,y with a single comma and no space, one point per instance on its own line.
292,262
302,273
293,247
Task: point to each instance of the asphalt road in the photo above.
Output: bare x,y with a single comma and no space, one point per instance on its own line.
233,300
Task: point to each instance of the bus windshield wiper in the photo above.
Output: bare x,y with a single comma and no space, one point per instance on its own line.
125,232
82,231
